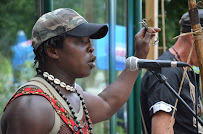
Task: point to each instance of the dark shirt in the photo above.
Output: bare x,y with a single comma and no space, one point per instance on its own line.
153,92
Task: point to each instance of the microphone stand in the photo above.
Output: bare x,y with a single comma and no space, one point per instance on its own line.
163,79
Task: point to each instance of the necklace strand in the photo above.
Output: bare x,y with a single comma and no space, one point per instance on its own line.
176,53
58,82
54,81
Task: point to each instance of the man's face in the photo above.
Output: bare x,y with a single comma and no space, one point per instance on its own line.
76,58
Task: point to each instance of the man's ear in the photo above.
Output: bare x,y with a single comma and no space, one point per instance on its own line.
52,52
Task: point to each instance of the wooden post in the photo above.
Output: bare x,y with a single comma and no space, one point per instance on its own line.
195,22
151,13
163,25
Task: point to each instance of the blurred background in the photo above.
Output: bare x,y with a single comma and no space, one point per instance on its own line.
17,18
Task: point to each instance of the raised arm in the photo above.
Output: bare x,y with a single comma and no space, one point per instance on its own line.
114,96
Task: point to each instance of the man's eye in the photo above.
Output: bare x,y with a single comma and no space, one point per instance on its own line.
80,41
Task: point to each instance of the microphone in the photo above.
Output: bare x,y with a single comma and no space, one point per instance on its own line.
134,63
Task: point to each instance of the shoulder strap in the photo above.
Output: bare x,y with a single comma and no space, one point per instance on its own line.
58,103
57,123
48,88
56,126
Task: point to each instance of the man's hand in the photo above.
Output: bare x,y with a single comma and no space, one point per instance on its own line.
142,39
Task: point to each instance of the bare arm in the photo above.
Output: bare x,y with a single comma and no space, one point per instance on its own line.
160,123
28,114
114,96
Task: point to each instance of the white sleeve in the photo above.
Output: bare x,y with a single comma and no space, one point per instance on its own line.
161,106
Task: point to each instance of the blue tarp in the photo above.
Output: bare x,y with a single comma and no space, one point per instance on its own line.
102,49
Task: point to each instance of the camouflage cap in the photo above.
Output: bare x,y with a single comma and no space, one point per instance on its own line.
185,21
65,20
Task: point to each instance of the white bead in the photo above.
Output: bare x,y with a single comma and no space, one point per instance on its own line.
45,74
51,77
56,81
72,89
74,85
68,87
62,84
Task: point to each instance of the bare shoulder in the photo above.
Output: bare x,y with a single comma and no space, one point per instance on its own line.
28,114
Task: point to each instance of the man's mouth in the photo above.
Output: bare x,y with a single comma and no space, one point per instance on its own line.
92,62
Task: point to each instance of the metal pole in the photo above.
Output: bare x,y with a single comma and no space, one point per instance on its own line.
134,17
48,6
41,8
130,52
138,18
112,46
44,6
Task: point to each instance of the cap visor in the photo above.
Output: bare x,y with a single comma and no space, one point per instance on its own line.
92,30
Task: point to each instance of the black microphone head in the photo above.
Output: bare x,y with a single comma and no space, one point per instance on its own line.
131,63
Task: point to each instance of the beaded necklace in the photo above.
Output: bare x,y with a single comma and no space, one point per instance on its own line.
176,53
54,81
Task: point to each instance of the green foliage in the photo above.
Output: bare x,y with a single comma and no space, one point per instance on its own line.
120,129
172,17
24,72
7,86
15,15
84,8
5,81
76,5
121,17
101,128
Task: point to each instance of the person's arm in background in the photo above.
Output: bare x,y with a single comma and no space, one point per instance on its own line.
161,122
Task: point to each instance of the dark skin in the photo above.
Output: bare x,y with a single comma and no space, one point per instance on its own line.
34,114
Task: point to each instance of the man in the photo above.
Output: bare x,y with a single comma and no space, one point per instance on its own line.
52,102
157,101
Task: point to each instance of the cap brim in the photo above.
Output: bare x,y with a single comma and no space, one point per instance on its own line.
92,30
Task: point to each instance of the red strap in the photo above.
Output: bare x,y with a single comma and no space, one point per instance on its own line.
65,116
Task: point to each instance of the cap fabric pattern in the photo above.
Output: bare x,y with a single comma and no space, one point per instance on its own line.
185,21
64,20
